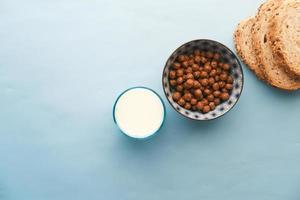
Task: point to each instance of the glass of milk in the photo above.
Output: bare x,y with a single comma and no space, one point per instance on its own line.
139,112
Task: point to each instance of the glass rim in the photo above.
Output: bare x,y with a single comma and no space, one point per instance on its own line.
154,92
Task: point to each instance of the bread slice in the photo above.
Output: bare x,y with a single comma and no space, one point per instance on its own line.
284,36
273,72
243,45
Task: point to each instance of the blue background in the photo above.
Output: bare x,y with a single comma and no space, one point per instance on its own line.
63,63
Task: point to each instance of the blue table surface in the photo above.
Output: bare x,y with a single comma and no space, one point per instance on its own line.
62,65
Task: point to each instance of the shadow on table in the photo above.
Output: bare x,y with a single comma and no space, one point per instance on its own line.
272,91
281,94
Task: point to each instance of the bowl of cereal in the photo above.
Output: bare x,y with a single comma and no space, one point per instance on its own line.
203,80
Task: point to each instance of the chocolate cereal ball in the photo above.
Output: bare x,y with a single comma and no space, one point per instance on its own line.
200,106
187,97
179,88
194,101
196,85
173,83
188,106
176,65
172,74
179,80
212,105
225,96
206,109
181,102
198,94
176,96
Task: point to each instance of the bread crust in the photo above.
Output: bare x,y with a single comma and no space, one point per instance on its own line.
243,45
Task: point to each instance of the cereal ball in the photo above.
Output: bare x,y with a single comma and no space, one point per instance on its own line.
179,72
211,81
205,102
181,102
229,86
173,83
221,64
210,98
181,58
197,52
219,71
191,62
188,70
214,64
225,96
179,88
217,78
204,82
187,97
207,63
179,80
226,66
198,94
206,109
189,84
197,59
207,68
203,74
216,86
207,92
216,93
217,56
194,101
172,74
213,73
209,54
187,106
230,80
223,77
176,65
212,105
203,60
185,64
221,84
195,67
217,101
189,76
176,96
196,74
200,106
196,85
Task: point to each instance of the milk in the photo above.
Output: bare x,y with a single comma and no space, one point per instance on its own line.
139,112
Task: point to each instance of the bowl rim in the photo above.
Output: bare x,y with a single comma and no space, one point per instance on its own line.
155,93
239,65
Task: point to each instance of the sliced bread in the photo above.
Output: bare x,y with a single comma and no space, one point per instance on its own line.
273,72
243,44
284,36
